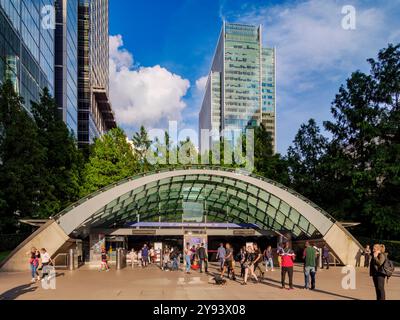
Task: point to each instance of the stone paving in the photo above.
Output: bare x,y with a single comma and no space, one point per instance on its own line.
154,284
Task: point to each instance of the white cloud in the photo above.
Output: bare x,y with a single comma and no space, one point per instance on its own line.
315,54
147,95
201,84
310,39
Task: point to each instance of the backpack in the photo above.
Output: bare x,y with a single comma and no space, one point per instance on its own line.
219,280
387,268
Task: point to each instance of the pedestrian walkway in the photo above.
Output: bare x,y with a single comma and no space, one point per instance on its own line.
154,284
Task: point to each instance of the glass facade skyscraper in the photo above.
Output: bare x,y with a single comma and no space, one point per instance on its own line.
66,62
95,115
26,48
240,91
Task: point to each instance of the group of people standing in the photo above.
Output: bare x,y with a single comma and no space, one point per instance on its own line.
38,260
196,258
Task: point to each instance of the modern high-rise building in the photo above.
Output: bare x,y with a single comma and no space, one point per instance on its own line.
66,62
70,57
95,115
241,87
26,47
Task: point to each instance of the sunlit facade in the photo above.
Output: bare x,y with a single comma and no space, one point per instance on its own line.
66,62
240,91
26,47
95,115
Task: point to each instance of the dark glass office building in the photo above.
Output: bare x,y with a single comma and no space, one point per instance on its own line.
66,62
95,115
26,47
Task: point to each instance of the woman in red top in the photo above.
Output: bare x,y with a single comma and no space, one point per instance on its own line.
287,255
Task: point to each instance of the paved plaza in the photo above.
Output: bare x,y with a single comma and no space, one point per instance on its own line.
154,284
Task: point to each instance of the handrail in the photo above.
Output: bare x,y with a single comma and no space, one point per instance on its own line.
193,167
60,255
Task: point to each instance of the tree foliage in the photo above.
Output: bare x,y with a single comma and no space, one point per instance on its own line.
111,159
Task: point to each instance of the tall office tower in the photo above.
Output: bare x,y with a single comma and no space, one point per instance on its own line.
95,115
240,91
27,47
66,62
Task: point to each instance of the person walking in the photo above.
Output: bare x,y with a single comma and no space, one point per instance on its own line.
287,257
375,271
34,260
46,260
367,256
152,254
229,262
309,266
257,260
203,259
248,263
174,257
188,257
268,258
242,257
325,257
104,261
221,253
145,256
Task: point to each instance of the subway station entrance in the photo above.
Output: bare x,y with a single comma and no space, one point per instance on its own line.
176,235
189,204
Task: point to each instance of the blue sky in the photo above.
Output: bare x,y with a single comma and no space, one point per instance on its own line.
162,50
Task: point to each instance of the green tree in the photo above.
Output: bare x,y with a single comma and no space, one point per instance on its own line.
141,146
111,159
22,161
267,163
363,156
63,160
304,160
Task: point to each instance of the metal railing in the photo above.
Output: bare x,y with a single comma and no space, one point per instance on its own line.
58,257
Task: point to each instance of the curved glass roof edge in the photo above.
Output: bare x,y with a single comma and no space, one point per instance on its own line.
194,167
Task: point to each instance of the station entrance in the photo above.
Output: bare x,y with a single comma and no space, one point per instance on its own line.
177,235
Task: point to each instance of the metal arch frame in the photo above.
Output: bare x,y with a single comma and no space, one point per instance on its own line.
150,197
72,217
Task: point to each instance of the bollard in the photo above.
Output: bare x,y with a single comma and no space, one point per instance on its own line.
121,259
71,259
118,260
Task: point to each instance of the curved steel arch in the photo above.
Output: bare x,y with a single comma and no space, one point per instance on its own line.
73,217
112,201
147,204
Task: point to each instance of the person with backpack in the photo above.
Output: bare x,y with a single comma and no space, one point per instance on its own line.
381,268
287,261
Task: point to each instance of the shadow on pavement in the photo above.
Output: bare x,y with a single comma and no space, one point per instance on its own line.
14,293
302,288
